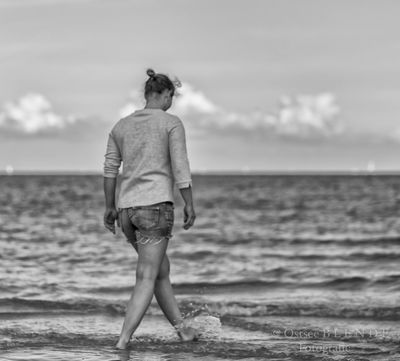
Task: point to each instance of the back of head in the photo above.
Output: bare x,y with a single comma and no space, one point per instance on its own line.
157,83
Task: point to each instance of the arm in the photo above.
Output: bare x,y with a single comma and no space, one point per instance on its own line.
111,169
188,210
110,184
111,213
186,194
181,170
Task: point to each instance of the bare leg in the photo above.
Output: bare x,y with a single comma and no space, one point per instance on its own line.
165,295
162,289
149,262
167,302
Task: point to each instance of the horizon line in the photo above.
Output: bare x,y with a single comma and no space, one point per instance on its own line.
216,172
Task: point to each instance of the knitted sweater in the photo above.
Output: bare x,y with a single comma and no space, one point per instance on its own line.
151,145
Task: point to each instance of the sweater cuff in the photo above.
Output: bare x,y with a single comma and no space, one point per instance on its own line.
184,184
110,175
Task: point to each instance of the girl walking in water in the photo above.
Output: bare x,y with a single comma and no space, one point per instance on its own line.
151,145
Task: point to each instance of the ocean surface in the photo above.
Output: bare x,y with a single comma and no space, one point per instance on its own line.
277,267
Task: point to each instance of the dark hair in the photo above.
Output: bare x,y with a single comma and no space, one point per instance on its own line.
157,83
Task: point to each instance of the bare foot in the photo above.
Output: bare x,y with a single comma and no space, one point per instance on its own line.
122,345
187,333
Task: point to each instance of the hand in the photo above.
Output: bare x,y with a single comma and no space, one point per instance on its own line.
188,216
110,216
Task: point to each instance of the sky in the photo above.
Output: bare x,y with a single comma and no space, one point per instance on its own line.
268,85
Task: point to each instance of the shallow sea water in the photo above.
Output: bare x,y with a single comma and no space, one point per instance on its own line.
276,268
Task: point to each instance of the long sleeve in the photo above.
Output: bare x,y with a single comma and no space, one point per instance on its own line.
178,153
112,158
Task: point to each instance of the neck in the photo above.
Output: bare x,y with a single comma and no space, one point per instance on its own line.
152,105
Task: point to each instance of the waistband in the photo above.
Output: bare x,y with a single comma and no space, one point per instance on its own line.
161,205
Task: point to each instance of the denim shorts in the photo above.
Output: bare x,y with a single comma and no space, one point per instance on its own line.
147,224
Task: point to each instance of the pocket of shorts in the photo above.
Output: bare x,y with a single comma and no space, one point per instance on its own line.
146,218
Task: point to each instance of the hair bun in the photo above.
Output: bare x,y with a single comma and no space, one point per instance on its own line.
151,73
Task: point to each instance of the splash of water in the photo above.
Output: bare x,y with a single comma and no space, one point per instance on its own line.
207,326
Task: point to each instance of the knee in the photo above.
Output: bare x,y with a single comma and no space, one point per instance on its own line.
146,273
164,270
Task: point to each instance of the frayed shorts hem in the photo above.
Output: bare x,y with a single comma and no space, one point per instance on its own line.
143,239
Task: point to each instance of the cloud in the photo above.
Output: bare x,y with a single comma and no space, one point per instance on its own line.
32,114
307,114
301,116
189,101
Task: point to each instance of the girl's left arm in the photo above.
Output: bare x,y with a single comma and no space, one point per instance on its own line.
112,164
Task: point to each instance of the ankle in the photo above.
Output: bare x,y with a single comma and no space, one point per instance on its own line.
123,340
179,322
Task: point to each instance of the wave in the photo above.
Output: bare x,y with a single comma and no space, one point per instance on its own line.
342,239
293,309
244,285
275,278
314,330
291,239
374,256
33,306
16,307
352,256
